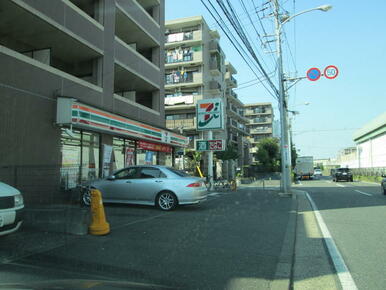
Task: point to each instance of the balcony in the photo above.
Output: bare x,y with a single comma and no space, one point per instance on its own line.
135,63
214,68
190,80
263,120
261,131
135,26
185,124
214,87
191,58
182,102
183,38
249,112
237,126
230,80
214,47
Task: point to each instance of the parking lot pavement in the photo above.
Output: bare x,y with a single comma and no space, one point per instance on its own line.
231,241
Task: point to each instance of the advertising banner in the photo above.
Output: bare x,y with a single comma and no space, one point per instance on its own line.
129,156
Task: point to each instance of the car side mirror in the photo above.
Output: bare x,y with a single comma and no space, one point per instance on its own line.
384,175
111,177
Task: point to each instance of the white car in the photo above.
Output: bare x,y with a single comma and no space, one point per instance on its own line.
317,172
11,209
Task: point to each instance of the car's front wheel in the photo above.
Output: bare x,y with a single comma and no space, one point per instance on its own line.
166,200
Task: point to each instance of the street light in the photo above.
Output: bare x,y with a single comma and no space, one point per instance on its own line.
286,18
284,140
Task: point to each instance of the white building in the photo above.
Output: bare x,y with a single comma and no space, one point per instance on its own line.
371,143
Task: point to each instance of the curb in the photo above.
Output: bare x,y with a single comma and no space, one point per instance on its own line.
284,268
313,267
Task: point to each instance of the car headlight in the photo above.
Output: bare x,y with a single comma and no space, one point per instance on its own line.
19,200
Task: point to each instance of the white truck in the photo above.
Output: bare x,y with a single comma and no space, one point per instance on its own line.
304,168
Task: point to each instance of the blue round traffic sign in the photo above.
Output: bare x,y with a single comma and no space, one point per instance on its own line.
313,74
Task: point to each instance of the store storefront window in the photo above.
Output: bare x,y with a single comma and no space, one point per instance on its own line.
80,157
71,159
165,159
90,156
124,152
146,157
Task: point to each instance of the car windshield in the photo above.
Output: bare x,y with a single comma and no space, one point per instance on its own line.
343,170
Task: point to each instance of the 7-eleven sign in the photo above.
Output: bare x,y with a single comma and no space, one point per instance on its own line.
210,114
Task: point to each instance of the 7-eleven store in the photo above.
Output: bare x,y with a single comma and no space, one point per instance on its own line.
95,142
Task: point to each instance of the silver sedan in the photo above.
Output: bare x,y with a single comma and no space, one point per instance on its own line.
161,186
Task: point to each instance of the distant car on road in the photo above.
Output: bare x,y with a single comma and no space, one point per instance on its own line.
11,208
161,186
317,172
383,184
342,174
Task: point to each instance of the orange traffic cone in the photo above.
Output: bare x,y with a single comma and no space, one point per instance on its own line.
99,225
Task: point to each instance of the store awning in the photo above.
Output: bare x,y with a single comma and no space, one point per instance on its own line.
71,112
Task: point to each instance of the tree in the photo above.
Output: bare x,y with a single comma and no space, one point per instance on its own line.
195,157
268,154
230,153
294,155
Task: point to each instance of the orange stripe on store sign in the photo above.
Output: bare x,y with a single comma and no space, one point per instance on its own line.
115,117
204,106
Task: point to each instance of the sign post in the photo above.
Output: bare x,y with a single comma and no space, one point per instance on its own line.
210,116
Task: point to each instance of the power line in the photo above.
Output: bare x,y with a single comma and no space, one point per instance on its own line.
238,48
239,30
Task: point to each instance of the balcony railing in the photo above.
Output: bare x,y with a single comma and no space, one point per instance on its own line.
184,78
181,124
180,36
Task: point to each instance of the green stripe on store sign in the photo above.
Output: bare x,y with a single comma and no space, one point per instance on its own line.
110,122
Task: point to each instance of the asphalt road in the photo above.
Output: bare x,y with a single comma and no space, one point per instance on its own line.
232,241
355,214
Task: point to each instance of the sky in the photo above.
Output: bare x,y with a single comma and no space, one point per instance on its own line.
350,36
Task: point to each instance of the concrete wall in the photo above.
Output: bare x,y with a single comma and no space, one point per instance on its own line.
372,153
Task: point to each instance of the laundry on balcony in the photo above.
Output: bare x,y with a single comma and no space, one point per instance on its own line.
179,76
179,55
170,101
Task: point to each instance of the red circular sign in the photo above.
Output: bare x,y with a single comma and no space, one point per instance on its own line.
331,72
313,74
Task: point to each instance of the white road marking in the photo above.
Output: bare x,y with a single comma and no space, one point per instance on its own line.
337,184
328,181
344,275
214,193
368,194
139,221
369,182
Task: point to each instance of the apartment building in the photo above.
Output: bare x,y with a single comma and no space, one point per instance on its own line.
81,92
195,69
260,123
238,132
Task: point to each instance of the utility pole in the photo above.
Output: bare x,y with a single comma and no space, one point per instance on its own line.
210,162
284,144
